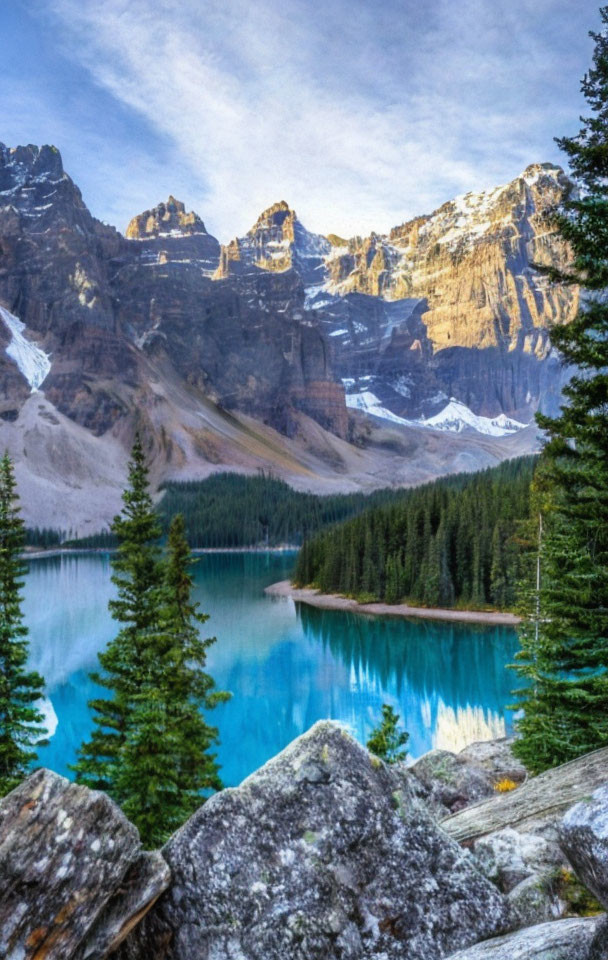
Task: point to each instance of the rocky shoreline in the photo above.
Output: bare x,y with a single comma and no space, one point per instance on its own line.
329,601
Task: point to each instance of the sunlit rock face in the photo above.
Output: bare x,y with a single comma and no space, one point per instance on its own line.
471,260
478,312
170,233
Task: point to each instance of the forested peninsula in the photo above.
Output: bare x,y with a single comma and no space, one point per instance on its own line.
461,541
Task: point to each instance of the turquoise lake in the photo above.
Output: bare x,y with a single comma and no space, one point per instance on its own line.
286,665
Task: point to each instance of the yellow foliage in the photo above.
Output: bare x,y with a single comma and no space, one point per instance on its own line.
505,785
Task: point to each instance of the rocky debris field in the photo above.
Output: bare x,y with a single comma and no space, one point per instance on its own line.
325,853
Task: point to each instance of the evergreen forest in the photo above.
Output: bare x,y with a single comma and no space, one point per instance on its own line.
232,510
458,541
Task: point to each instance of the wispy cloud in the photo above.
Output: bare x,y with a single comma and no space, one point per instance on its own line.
359,117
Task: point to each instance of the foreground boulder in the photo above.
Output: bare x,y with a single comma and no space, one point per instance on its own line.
572,939
73,877
584,840
324,853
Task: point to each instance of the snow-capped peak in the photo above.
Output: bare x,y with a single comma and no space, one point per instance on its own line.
33,362
457,418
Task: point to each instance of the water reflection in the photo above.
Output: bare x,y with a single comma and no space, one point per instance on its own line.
447,680
287,666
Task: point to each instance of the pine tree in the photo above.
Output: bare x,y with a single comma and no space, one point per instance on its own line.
20,719
166,764
138,576
564,659
151,749
386,741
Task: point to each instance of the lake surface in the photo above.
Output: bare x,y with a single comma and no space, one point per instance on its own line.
286,665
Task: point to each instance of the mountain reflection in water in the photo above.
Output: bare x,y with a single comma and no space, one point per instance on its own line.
287,665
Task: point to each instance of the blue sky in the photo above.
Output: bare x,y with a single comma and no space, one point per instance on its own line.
359,114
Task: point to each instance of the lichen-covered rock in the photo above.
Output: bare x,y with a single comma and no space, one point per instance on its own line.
507,857
453,781
324,853
496,758
537,900
73,877
584,840
571,939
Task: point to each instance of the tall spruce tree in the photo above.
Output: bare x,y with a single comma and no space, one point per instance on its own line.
151,749
138,576
167,764
20,690
564,658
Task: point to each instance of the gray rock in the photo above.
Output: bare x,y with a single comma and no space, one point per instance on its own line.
584,840
599,947
74,880
324,853
537,805
450,782
496,758
453,781
531,869
570,939
536,900
507,857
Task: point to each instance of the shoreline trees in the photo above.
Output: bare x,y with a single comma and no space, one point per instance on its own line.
452,541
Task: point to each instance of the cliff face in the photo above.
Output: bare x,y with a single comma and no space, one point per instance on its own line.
102,306
54,259
468,271
471,261
281,324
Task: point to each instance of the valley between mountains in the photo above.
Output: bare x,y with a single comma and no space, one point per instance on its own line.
337,364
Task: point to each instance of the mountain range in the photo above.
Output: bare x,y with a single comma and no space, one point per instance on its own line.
336,363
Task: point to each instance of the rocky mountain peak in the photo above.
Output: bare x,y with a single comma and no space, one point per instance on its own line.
279,215
37,196
277,222
534,171
23,163
276,242
165,220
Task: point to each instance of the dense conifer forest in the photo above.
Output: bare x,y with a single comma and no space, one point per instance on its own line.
231,510
452,542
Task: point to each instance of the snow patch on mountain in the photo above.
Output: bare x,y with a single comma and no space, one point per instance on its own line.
33,362
457,418
370,403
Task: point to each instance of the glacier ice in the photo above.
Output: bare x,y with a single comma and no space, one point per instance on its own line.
456,417
33,362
